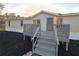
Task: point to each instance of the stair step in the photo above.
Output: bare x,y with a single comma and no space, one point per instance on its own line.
48,47
47,32
47,39
48,36
47,42
44,52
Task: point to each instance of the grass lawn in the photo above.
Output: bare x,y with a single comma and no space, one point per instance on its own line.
2,28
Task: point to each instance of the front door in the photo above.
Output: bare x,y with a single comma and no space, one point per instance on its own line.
49,24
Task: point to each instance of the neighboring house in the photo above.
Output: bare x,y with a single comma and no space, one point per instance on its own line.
43,18
16,25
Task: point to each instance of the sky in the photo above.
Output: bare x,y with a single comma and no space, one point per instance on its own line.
28,9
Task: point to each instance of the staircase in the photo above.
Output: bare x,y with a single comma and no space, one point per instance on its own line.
46,45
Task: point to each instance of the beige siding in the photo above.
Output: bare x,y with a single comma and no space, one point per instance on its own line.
73,21
55,19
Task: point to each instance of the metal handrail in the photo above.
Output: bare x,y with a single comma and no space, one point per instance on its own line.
35,33
34,43
56,36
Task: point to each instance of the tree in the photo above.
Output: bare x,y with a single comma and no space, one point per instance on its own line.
1,8
2,19
9,16
5,16
1,16
12,16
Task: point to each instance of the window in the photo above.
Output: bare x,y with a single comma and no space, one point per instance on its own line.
60,21
21,23
50,19
36,21
8,23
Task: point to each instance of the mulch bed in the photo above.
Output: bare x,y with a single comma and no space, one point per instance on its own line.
12,44
72,51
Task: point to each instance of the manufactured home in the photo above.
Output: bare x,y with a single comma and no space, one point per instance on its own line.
50,36
41,18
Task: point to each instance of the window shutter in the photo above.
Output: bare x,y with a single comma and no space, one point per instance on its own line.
9,23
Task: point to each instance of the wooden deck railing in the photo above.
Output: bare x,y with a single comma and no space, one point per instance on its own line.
63,32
